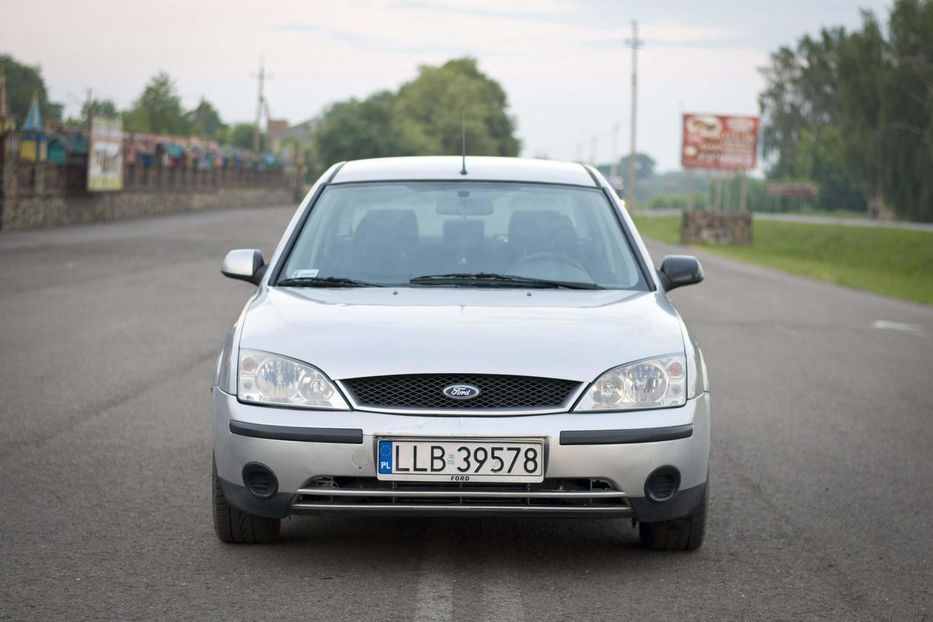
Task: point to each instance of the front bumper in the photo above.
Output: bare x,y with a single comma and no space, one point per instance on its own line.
619,450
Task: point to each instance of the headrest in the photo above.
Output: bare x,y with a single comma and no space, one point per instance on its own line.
397,224
540,226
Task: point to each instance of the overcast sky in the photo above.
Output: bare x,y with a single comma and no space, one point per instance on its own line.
563,63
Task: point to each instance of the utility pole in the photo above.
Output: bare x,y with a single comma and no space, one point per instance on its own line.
89,100
614,168
260,100
593,149
634,43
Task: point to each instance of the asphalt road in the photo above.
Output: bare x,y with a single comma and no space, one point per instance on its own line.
822,463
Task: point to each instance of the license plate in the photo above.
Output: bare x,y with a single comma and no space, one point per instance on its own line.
461,460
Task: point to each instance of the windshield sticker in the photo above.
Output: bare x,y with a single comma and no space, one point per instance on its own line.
304,274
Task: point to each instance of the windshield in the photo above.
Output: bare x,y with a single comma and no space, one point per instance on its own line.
391,233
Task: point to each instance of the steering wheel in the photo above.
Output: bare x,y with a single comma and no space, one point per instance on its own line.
566,268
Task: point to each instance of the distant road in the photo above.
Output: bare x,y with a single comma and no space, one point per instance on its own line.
821,467
817,220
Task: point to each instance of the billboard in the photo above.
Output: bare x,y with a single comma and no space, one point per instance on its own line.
719,142
105,155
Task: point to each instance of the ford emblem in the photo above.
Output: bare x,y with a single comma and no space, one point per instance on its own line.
461,391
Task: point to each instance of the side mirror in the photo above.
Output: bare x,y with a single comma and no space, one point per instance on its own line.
244,264
680,270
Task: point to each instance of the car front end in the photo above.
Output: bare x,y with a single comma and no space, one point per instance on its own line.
596,465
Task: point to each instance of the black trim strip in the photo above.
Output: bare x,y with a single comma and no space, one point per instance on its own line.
629,238
336,170
299,226
350,436
444,180
590,173
619,437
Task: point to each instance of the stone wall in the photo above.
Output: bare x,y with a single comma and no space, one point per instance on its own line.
55,210
716,227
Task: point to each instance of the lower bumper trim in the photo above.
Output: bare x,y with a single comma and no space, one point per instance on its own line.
424,509
458,493
240,498
684,503
618,437
645,510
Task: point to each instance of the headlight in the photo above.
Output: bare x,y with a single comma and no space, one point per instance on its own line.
652,383
266,378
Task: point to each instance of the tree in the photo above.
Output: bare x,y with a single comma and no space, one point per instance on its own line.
241,135
800,106
423,118
205,120
853,111
96,108
360,129
431,109
783,120
907,111
801,136
158,109
861,84
22,82
99,108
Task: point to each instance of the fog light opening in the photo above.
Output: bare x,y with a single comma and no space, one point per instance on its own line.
662,484
260,481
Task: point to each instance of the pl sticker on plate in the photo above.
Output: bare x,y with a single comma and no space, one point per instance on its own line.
385,457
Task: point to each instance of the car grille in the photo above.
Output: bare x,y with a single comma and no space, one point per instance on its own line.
427,391
556,496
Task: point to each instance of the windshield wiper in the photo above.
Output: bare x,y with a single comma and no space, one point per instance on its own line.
324,281
486,278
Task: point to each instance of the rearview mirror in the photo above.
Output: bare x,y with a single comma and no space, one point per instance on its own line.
464,206
680,270
244,264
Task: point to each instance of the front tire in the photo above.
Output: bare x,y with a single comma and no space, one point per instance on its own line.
234,526
680,534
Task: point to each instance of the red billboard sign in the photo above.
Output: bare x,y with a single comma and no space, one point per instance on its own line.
715,141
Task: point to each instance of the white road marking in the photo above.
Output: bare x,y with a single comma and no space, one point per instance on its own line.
905,328
502,594
434,599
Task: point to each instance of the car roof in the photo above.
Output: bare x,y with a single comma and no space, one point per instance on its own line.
479,168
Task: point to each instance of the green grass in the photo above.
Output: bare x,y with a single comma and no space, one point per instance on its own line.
662,228
893,262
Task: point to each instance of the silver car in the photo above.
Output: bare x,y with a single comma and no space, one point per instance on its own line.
437,336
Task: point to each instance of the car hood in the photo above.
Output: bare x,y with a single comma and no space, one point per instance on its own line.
571,334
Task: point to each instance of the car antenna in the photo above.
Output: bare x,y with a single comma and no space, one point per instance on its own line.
463,170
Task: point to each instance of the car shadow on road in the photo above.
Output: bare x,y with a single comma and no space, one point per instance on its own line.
548,545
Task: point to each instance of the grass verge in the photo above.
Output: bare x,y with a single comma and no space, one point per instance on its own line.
893,262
